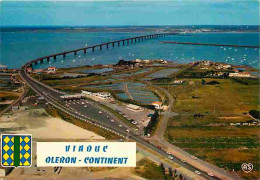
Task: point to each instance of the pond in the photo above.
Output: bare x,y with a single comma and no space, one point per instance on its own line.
162,73
97,71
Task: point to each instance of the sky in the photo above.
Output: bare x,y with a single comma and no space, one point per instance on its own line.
131,12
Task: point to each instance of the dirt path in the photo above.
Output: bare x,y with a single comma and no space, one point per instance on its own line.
127,92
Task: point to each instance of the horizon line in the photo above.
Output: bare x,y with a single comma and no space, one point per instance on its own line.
126,25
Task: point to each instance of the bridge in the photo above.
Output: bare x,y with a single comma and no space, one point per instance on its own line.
210,44
100,47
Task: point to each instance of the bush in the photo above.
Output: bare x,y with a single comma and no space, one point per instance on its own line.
212,82
255,114
152,123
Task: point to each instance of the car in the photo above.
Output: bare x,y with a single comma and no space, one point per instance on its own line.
127,130
134,122
210,174
112,120
85,106
82,103
193,157
120,125
197,172
168,152
100,112
183,161
170,157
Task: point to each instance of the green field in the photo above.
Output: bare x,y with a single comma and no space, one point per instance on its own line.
210,136
227,98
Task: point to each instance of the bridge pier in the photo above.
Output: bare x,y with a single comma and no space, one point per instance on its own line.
124,41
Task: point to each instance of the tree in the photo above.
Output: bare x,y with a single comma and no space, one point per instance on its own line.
170,172
152,123
175,172
203,82
162,167
180,176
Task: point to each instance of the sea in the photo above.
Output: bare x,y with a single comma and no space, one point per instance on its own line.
21,46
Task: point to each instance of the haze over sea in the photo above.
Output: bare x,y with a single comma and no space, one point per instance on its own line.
20,46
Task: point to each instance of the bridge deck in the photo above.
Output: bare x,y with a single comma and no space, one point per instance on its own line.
210,44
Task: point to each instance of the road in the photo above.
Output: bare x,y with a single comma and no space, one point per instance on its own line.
95,115
24,91
158,138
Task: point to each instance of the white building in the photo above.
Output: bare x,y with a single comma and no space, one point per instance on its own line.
239,74
226,66
133,107
157,105
103,95
179,81
87,93
52,69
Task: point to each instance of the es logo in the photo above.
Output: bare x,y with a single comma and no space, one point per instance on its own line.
247,167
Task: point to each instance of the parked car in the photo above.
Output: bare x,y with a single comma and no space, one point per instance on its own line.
193,157
197,172
210,174
170,157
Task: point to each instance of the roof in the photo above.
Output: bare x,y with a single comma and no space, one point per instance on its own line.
132,106
157,103
51,67
244,73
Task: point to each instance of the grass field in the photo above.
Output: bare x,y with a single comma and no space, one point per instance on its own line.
225,146
150,170
8,95
211,137
227,98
